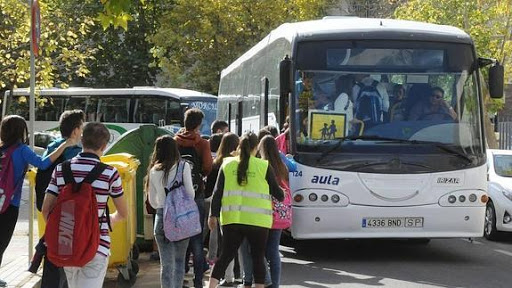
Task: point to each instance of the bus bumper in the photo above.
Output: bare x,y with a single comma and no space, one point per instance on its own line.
351,222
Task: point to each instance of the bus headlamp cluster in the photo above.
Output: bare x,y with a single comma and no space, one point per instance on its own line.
316,198
464,198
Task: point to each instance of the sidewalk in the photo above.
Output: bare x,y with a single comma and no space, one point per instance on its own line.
15,261
149,275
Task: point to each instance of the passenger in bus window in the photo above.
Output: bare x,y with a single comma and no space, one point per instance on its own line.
366,81
321,100
397,107
343,103
434,108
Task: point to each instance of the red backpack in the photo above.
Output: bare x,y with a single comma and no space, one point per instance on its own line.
7,183
73,233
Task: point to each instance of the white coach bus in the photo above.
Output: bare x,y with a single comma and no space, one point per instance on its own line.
386,124
121,109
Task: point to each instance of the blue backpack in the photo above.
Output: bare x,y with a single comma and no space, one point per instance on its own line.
181,215
368,106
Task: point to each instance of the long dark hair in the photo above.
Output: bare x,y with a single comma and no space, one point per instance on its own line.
165,155
228,144
13,129
268,151
248,142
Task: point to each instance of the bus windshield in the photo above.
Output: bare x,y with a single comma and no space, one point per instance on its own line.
397,97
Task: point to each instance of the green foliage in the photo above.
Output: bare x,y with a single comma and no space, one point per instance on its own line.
115,13
63,50
488,22
123,56
197,39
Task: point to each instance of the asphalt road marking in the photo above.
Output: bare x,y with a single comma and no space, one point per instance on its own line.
504,252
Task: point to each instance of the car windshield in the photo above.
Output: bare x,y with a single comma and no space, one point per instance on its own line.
503,165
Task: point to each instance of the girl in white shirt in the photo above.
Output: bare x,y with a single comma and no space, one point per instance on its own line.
161,172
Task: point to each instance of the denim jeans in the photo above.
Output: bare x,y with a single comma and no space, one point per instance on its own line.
172,255
273,256
245,251
196,248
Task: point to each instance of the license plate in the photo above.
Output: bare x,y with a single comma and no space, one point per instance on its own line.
393,222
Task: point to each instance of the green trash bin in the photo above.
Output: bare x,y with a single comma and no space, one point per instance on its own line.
139,142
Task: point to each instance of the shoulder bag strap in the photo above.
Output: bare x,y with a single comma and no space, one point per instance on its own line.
170,185
67,173
95,173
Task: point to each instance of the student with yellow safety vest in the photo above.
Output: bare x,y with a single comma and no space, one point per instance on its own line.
241,198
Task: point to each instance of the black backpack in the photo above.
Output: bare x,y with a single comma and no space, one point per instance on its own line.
368,106
190,155
43,178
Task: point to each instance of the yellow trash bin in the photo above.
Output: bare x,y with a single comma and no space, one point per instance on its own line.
122,249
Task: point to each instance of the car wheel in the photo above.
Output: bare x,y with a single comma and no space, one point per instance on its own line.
490,231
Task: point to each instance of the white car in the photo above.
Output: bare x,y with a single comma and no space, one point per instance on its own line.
499,207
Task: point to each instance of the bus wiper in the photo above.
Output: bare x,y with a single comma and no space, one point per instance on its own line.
450,150
366,165
360,137
376,137
440,146
329,151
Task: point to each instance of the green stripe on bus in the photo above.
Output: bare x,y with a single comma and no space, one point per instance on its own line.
119,129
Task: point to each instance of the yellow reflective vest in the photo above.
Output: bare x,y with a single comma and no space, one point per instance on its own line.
251,203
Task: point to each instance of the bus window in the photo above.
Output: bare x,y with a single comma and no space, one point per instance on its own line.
49,109
77,102
174,114
91,109
19,106
114,110
150,110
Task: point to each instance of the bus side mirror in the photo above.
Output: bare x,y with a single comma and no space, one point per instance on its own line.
496,73
285,78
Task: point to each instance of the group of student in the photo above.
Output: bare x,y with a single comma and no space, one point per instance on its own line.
246,181
78,155
248,178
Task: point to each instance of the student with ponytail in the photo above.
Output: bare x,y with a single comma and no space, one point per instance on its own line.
242,200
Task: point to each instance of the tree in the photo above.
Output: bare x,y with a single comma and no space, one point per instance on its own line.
488,22
197,39
123,56
64,51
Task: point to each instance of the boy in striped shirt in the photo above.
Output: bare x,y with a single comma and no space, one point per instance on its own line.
95,138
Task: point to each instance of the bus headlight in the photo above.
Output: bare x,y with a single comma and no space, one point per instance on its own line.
463,198
319,198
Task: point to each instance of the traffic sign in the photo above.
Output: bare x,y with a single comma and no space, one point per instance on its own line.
36,26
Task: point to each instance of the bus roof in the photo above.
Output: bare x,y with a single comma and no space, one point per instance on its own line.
169,92
355,28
